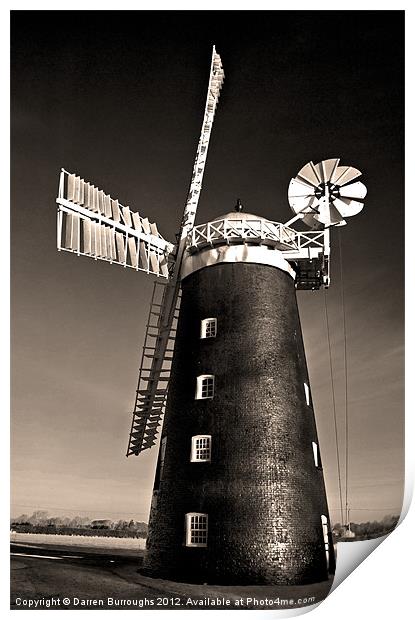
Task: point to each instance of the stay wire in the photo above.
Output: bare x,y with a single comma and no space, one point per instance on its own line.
334,406
346,408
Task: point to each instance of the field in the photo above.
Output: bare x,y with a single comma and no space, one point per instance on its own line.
96,542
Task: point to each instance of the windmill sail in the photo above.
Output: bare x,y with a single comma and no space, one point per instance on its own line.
152,406
91,223
152,385
216,78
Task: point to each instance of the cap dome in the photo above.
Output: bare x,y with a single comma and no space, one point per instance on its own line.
239,215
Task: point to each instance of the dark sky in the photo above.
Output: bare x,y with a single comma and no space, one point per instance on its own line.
118,97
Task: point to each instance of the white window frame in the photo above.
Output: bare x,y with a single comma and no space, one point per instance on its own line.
316,454
199,448
325,526
208,327
307,394
190,520
200,387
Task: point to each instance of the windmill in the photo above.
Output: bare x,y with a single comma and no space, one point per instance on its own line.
239,492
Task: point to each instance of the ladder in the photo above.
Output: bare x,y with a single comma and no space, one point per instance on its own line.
154,372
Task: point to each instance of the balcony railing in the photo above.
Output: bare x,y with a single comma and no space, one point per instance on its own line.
233,231
293,243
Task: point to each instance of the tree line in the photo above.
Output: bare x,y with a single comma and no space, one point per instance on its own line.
40,522
370,529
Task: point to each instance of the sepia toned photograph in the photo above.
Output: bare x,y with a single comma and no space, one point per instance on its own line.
207,317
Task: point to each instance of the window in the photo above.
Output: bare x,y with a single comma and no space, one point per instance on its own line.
208,328
316,454
307,394
201,448
162,454
196,529
205,386
325,526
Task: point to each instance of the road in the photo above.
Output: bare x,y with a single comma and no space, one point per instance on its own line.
44,577
89,580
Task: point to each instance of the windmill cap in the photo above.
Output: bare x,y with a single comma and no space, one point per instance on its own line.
237,237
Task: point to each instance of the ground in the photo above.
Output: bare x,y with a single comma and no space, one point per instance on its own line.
79,577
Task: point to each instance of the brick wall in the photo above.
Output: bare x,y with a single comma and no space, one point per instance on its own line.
262,491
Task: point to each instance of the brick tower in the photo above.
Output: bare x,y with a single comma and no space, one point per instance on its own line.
239,495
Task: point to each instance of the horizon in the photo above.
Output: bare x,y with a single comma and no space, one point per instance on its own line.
114,520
